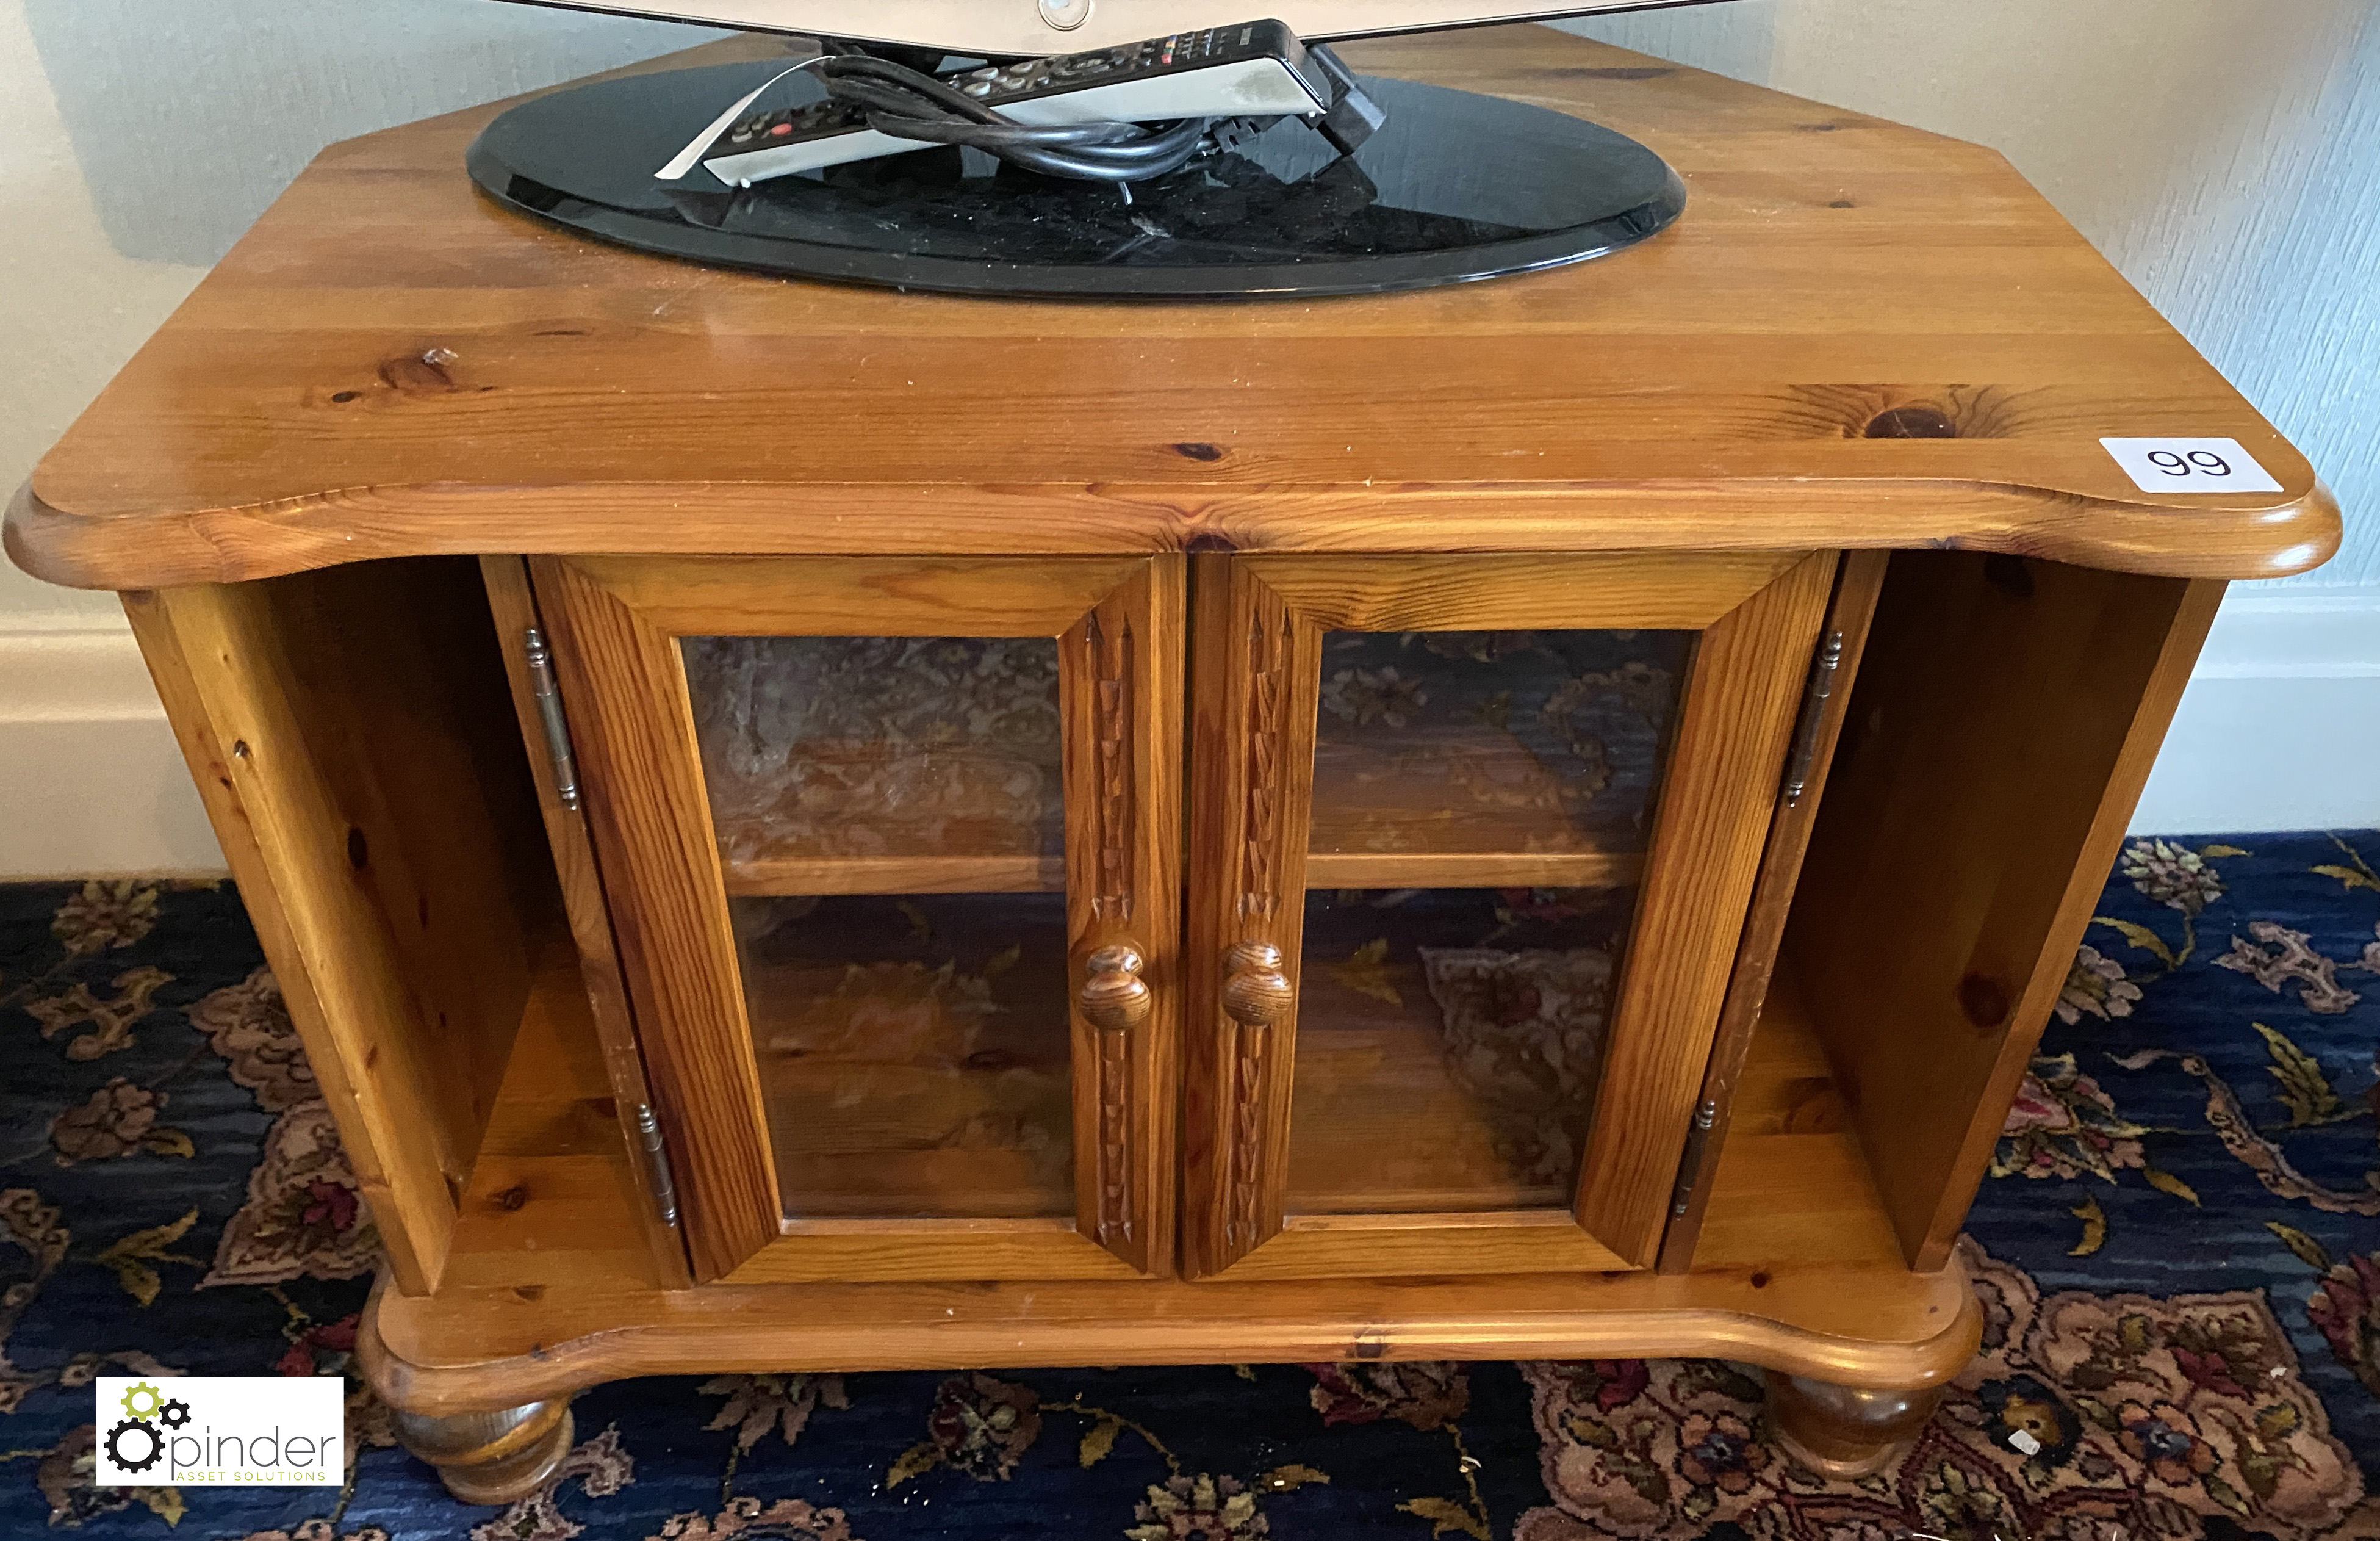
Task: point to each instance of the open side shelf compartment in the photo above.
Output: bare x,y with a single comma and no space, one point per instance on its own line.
1792,1180
2003,723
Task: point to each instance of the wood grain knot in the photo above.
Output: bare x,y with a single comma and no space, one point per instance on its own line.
1843,203
1984,1000
1905,409
1210,539
1812,1107
1208,452
510,1199
1817,127
425,370
343,397
1911,422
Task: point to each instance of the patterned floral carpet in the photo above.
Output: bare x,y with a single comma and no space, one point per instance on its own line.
2177,1253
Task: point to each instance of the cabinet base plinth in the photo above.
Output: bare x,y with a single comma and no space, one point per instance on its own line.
491,1457
1846,1432
482,1348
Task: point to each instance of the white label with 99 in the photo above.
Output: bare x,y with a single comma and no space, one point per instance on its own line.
2190,466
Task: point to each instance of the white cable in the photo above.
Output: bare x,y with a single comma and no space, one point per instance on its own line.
685,160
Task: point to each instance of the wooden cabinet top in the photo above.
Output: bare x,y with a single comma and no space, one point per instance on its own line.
1858,334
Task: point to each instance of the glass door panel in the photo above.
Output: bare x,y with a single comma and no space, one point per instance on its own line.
865,760
1449,1038
1491,742
914,1052
1448,1047
890,816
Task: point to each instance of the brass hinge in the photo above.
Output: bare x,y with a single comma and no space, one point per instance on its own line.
1815,696
549,712
656,1164
1690,1166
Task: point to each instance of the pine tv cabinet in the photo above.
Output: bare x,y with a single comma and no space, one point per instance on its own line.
811,828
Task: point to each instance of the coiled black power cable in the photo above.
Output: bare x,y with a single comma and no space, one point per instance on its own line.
908,103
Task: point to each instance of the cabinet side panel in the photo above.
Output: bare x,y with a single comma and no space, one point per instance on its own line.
337,725
2004,721
397,663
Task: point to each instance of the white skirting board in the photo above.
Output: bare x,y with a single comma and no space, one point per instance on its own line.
2281,726
2279,731
91,783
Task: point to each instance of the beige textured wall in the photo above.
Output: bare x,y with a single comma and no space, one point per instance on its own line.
72,310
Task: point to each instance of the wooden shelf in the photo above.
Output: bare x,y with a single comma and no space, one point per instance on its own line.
549,1288
1047,875
888,1097
1445,782
1792,1180
1469,869
1023,873
1380,1122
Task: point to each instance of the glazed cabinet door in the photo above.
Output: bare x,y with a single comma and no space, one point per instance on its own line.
892,848
1473,839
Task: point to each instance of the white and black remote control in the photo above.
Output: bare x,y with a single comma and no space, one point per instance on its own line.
1252,69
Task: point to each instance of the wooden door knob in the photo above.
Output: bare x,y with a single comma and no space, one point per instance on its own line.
1256,993
1114,998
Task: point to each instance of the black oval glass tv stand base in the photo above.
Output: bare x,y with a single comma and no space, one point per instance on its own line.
1456,186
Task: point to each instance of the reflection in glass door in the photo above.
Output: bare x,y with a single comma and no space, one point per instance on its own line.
1493,744
1481,801
889,815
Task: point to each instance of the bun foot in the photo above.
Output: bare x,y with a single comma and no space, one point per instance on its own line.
491,1457
1843,1433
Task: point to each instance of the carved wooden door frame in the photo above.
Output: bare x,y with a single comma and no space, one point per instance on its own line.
1258,634
1118,622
